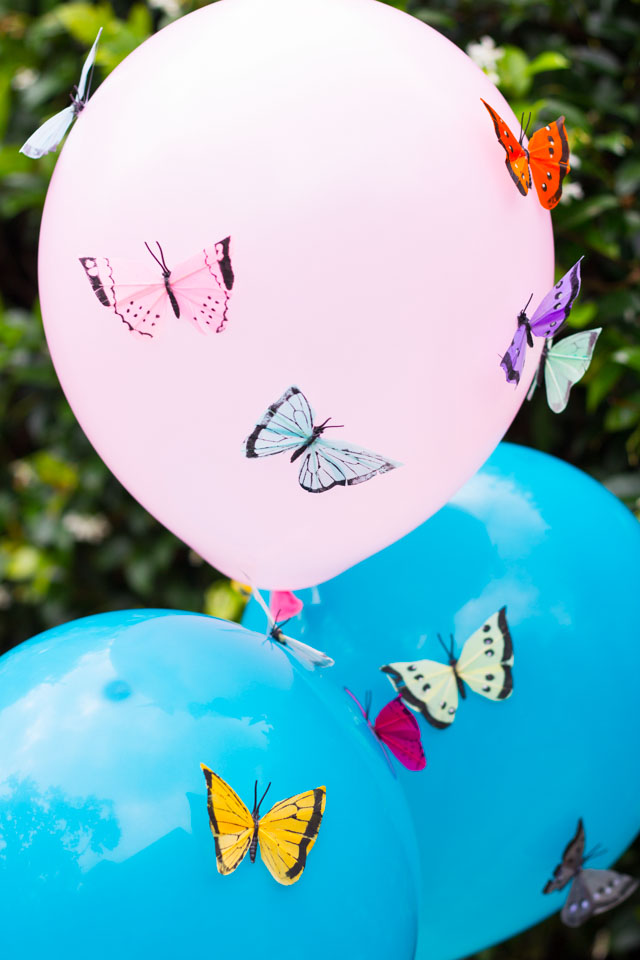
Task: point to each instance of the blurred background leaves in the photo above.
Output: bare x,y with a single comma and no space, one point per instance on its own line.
73,542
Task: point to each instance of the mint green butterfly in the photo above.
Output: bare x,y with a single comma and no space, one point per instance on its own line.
562,364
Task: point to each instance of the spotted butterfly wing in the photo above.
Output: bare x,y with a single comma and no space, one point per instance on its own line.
516,159
563,365
487,658
397,729
571,861
555,307
48,137
549,162
428,687
596,891
135,291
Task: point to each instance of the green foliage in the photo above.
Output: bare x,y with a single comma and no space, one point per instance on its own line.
73,542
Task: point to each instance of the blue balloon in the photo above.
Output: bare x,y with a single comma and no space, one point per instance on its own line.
105,847
505,785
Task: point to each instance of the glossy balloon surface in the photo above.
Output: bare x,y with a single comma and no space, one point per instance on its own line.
105,847
505,785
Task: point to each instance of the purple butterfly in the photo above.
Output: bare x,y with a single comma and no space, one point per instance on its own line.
552,312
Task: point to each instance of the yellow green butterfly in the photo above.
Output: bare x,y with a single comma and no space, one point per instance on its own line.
431,688
285,834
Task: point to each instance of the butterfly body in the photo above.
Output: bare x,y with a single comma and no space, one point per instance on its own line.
545,162
547,319
197,290
432,688
284,835
307,656
592,891
288,427
395,729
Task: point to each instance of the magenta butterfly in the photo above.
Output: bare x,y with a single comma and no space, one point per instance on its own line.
197,290
396,729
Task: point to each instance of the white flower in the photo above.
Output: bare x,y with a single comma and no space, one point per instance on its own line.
486,55
572,191
87,528
574,161
24,78
170,7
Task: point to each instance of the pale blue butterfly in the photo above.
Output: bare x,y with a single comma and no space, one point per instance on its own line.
47,138
288,426
562,364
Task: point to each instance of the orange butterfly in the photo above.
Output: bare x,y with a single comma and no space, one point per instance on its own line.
546,160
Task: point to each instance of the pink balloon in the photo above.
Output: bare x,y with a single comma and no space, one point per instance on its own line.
381,255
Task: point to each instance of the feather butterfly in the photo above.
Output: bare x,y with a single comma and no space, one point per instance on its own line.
284,604
48,137
309,657
285,834
562,364
548,318
143,296
545,160
592,891
288,427
396,730
431,688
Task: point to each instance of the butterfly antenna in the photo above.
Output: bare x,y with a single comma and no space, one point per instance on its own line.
262,797
528,122
255,795
160,263
164,265
524,309
453,643
443,645
597,851
333,426
368,698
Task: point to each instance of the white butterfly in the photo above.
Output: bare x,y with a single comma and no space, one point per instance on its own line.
562,364
47,138
431,688
288,426
309,657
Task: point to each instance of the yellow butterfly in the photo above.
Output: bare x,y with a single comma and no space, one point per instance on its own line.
285,834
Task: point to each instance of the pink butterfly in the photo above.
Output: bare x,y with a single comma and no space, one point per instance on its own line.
284,604
396,729
197,290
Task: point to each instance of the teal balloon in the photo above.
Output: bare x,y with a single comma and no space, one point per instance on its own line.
105,847
505,785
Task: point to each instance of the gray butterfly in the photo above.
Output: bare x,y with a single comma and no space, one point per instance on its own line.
592,891
47,138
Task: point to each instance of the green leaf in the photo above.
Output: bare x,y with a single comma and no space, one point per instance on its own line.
627,179
548,60
601,384
622,416
513,72
583,314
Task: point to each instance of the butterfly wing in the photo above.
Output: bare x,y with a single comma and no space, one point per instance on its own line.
87,67
309,657
594,892
284,604
513,361
327,465
516,159
47,138
131,290
230,821
555,307
570,863
200,287
399,731
549,162
487,657
566,363
287,424
287,833
428,687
